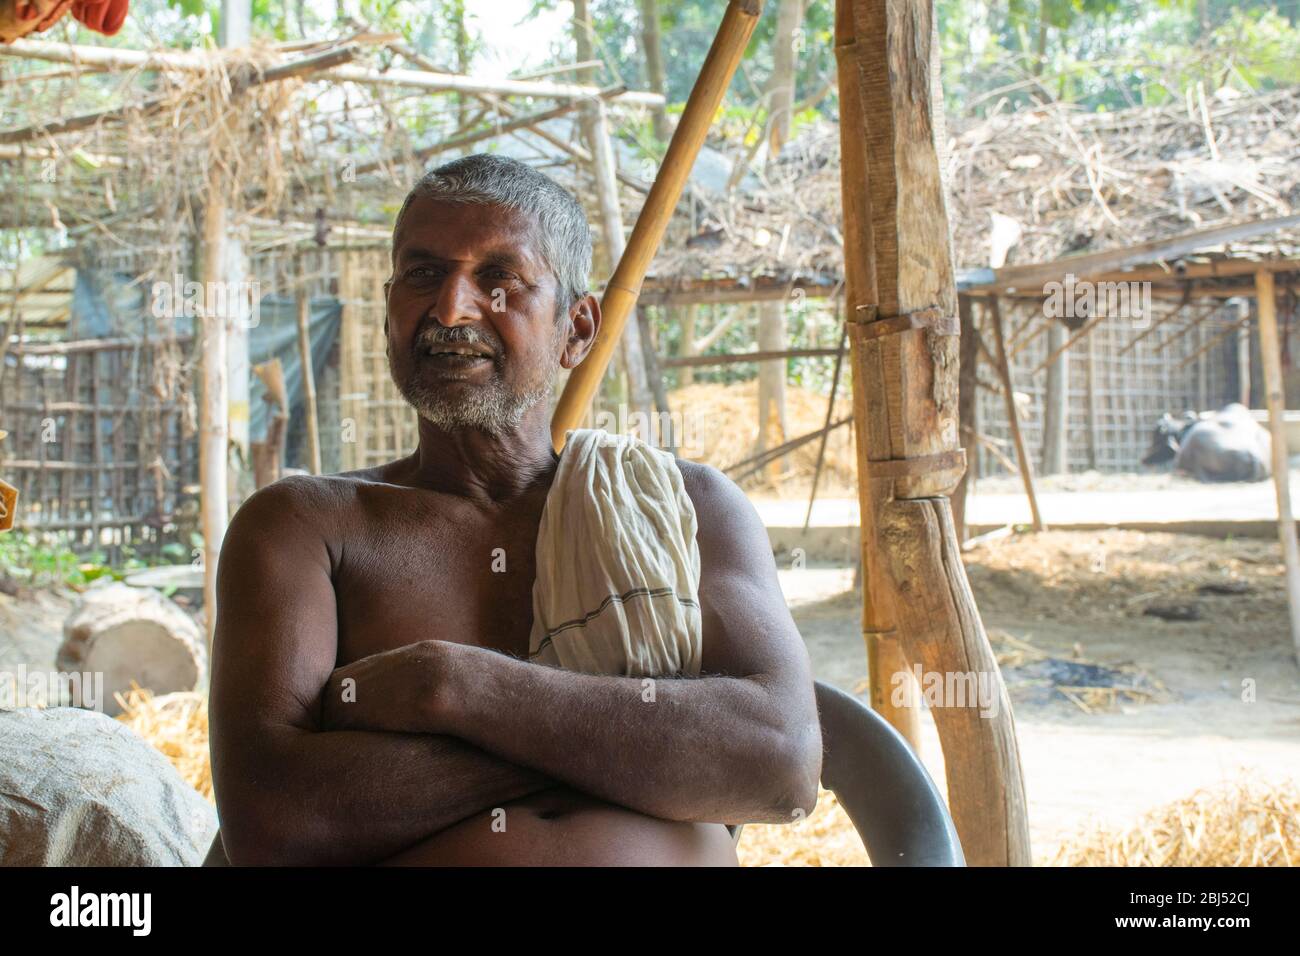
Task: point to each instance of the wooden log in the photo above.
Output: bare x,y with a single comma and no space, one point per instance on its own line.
1275,395
133,634
621,292
903,305
1013,414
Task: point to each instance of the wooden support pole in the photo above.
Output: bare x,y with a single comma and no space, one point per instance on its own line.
902,305
621,292
1090,388
967,405
214,410
1243,353
1013,416
1056,400
604,170
1275,395
308,372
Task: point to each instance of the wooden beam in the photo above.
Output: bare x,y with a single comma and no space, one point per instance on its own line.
1275,396
917,605
621,292
707,361
1036,274
119,58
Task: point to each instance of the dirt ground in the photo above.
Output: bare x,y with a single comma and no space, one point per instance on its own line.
1210,698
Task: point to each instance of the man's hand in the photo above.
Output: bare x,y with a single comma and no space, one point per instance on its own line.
396,690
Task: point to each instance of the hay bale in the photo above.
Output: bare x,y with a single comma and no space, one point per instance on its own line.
724,419
176,725
80,789
1235,824
133,636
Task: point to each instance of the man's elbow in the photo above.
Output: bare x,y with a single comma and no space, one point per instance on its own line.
795,771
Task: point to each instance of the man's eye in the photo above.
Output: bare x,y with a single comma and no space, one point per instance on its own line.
422,272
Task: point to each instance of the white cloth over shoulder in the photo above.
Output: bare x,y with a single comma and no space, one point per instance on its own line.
618,566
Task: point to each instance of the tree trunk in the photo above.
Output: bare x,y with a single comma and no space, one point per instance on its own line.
654,66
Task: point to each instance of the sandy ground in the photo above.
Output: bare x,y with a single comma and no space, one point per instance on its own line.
1081,598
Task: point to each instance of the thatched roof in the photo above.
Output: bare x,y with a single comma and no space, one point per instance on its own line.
1055,182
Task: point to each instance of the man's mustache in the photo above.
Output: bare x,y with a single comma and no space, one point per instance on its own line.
436,335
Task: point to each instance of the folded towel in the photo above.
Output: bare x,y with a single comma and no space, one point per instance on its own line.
618,567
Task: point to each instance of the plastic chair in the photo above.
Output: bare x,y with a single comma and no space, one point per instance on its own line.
883,786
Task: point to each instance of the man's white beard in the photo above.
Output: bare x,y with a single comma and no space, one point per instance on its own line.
491,409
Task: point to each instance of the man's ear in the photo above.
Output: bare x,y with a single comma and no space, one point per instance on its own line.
584,323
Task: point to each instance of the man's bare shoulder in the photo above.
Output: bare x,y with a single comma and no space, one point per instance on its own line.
725,516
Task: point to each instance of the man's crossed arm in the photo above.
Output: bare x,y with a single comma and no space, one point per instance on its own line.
440,731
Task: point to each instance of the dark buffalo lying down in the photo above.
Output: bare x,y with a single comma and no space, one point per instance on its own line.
1227,445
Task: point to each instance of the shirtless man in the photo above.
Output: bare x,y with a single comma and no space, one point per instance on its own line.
451,747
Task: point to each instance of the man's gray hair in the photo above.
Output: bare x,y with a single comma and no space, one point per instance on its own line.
499,181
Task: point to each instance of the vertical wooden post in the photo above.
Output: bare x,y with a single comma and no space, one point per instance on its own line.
1090,385
904,347
1056,401
214,423
308,372
1243,352
632,347
1013,416
1275,395
967,405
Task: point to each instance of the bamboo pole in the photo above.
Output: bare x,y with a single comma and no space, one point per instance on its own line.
113,58
1275,395
1013,416
621,292
214,412
308,372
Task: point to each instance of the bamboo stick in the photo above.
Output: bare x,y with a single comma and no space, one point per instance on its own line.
308,372
1013,416
621,292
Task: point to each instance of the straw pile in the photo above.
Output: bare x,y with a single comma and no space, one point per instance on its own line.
1236,824
725,423
826,838
175,724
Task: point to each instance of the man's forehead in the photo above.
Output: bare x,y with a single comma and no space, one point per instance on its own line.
436,228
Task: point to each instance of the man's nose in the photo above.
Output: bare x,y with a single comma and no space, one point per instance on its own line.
458,301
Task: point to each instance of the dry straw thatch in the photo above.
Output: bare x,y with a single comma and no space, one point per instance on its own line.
1235,824
176,725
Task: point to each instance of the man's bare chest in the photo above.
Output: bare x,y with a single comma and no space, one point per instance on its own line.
412,576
